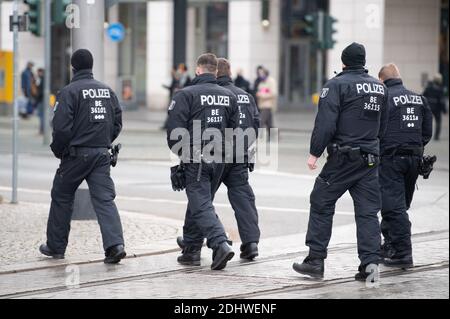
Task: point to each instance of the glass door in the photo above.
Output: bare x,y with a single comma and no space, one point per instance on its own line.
297,73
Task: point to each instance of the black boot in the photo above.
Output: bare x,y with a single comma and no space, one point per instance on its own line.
314,267
249,251
400,262
221,256
367,270
190,256
45,250
387,250
180,243
115,254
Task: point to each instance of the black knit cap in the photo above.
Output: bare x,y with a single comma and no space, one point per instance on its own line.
82,59
354,55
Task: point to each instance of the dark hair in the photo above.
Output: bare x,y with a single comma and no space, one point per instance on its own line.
208,62
224,68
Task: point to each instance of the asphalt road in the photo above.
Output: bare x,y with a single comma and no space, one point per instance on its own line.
143,186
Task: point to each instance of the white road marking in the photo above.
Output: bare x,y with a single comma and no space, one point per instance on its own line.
179,202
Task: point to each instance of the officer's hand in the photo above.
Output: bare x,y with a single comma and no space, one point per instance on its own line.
312,162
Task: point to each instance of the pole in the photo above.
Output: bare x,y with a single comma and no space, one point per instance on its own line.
319,51
15,142
48,69
179,31
90,33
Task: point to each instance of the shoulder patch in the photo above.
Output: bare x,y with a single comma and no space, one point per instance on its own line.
172,105
324,93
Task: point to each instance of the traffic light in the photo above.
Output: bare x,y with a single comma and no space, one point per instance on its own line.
265,13
35,15
310,26
59,14
329,31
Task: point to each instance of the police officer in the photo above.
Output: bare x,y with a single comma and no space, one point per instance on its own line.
87,119
198,116
351,117
236,174
409,130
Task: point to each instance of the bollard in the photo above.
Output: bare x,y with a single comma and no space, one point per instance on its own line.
82,206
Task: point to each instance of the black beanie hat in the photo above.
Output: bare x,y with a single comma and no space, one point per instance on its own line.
354,55
82,59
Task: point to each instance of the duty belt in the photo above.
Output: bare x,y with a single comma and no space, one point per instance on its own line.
81,150
416,151
353,154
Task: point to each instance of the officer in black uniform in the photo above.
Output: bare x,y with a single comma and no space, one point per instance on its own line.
236,174
409,129
198,116
351,117
87,119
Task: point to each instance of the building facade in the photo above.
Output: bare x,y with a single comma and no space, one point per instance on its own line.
411,33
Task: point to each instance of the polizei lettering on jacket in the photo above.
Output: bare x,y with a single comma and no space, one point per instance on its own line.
408,100
96,94
216,100
370,88
243,99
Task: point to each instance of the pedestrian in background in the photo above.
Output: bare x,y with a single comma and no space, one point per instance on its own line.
241,82
40,99
259,76
28,88
267,96
435,95
183,77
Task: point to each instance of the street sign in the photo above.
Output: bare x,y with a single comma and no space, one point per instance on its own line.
116,32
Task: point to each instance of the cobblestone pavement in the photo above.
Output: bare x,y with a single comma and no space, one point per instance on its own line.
27,224
271,276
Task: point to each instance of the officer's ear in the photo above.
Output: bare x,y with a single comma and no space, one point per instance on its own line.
198,71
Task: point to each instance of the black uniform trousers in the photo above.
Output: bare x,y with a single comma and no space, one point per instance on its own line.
398,177
242,199
92,165
201,220
339,175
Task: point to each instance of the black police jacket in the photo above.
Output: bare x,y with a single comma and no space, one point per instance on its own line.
248,117
87,113
410,118
352,112
205,103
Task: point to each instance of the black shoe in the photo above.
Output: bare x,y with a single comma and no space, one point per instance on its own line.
387,250
311,267
399,262
190,256
115,254
221,256
365,271
249,251
45,250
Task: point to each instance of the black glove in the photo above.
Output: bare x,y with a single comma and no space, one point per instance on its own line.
251,167
178,177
